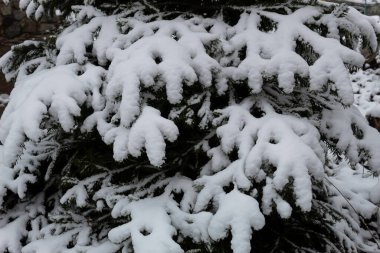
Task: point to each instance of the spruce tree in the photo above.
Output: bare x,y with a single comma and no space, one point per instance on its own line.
181,126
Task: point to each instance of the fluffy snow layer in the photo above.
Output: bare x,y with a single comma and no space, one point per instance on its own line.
111,74
169,55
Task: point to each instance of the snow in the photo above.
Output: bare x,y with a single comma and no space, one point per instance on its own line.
240,213
352,135
149,131
287,143
364,1
149,229
367,90
148,56
154,221
271,196
13,223
51,244
29,104
15,230
111,75
4,99
350,191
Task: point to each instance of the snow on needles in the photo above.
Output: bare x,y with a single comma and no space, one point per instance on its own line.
135,80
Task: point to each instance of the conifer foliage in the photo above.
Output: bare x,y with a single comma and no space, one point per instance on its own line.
141,127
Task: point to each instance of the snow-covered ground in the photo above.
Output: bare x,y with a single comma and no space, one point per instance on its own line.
366,86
